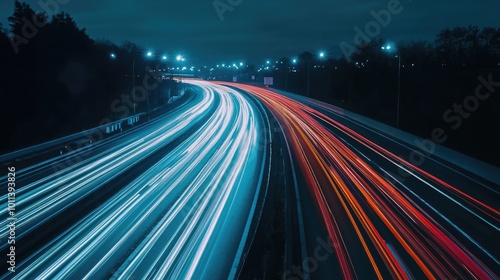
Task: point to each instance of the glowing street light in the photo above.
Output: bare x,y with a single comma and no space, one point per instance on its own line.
180,58
113,56
387,47
149,54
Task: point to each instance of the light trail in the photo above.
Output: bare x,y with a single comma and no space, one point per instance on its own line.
186,216
40,200
380,212
185,212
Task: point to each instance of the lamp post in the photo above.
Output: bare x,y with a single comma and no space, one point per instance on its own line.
321,55
113,56
133,82
164,58
287,70
180,58
287,66
294,61
149,55
390,48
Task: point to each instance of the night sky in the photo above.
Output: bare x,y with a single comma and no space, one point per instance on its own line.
258,30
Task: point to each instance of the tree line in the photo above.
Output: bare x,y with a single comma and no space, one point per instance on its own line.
451,84
56,80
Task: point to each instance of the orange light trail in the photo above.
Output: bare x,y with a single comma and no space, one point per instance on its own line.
369,199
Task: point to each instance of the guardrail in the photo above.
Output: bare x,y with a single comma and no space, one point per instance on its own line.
84,137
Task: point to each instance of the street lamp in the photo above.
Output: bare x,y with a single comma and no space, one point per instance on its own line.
180,58
294,61
164,58
390,48
287,66
133,82
321,55
148,54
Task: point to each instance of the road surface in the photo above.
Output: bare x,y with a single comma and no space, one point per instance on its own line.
182,197
178,209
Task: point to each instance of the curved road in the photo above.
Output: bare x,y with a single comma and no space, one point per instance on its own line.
186,214
181,197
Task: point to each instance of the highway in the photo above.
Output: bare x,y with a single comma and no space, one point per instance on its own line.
185,196
173,199
385,216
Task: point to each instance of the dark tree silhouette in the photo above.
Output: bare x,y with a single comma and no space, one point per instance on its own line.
468,46
434,76
21,11
59,81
